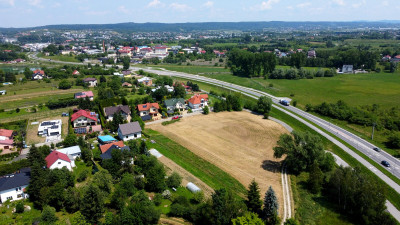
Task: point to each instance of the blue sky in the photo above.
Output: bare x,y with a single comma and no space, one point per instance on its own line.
26,13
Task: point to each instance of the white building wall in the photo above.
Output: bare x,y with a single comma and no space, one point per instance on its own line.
13,193
130,136
59,164
81,122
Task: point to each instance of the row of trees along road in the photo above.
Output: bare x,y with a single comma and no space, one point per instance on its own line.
353,192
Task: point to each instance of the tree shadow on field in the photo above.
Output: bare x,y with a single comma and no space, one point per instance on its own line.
271,166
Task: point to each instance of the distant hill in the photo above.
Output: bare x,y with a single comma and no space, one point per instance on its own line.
187,27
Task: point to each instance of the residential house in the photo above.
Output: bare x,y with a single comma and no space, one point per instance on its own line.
6,134
3,92
76,72
108,155
169,88
149,109
160,50
129,131
104,148
118,74
175,103
198,101
146,81
38,75
50,128
347,69
386,58
311,54
92,82
395,59
58,160
123,109
13,186
126,84
74,151
84,94
125,53
83,118
106,139
126,72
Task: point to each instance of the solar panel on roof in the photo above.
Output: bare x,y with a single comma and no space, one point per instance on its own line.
54,127
81,130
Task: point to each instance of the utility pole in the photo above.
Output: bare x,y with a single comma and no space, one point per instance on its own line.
373,130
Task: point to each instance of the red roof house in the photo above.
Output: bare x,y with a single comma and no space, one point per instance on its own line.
57,160
41,72
149,109
198,101
83,113
85,94
76,72
6,134
105,147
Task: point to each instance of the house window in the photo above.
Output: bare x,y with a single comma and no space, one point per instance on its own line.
19,196
59,162
126,136
9,198
135,135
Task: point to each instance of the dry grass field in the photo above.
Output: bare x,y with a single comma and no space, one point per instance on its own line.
239,143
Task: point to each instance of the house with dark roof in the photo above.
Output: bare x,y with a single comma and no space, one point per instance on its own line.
129,131
92,82
12,186
175,104
124,110
58,160
84,94
150,109
198,101
108,155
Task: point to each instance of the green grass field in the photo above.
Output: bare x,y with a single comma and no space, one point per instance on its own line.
202,169
64,58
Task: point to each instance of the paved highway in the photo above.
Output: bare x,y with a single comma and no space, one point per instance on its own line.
360,144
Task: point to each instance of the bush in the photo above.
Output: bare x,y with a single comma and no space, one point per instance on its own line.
64,84
206,110
158,199
266,115
174,180
48,215
82,176
394,140
198,197
17,110
294,103
271,85
19,208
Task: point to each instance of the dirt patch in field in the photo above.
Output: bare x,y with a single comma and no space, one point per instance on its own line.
239,143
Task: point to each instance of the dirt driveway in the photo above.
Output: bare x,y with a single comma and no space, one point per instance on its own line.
239,143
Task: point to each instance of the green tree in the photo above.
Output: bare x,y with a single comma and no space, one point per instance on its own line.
19,208
225,207
70,140
394,140
126,62
174,180
248,219
302,150
270,204
291,221
28,73
103,180
64,84
315,179
253,201
206,110
298,59
117,120
264,105
48,215
179,91
78,219
128,183
92,206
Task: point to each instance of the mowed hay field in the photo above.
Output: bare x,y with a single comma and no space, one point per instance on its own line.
240,143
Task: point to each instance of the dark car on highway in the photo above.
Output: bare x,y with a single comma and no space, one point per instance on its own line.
385,163
377,149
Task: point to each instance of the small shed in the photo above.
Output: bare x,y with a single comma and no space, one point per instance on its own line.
192,187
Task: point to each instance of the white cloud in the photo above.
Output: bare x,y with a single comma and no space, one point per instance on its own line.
56,5
208,4
154,3
339,2
9,2
180,7
123,9
267,5
35,2
303,5
97,13
385,3
359,4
